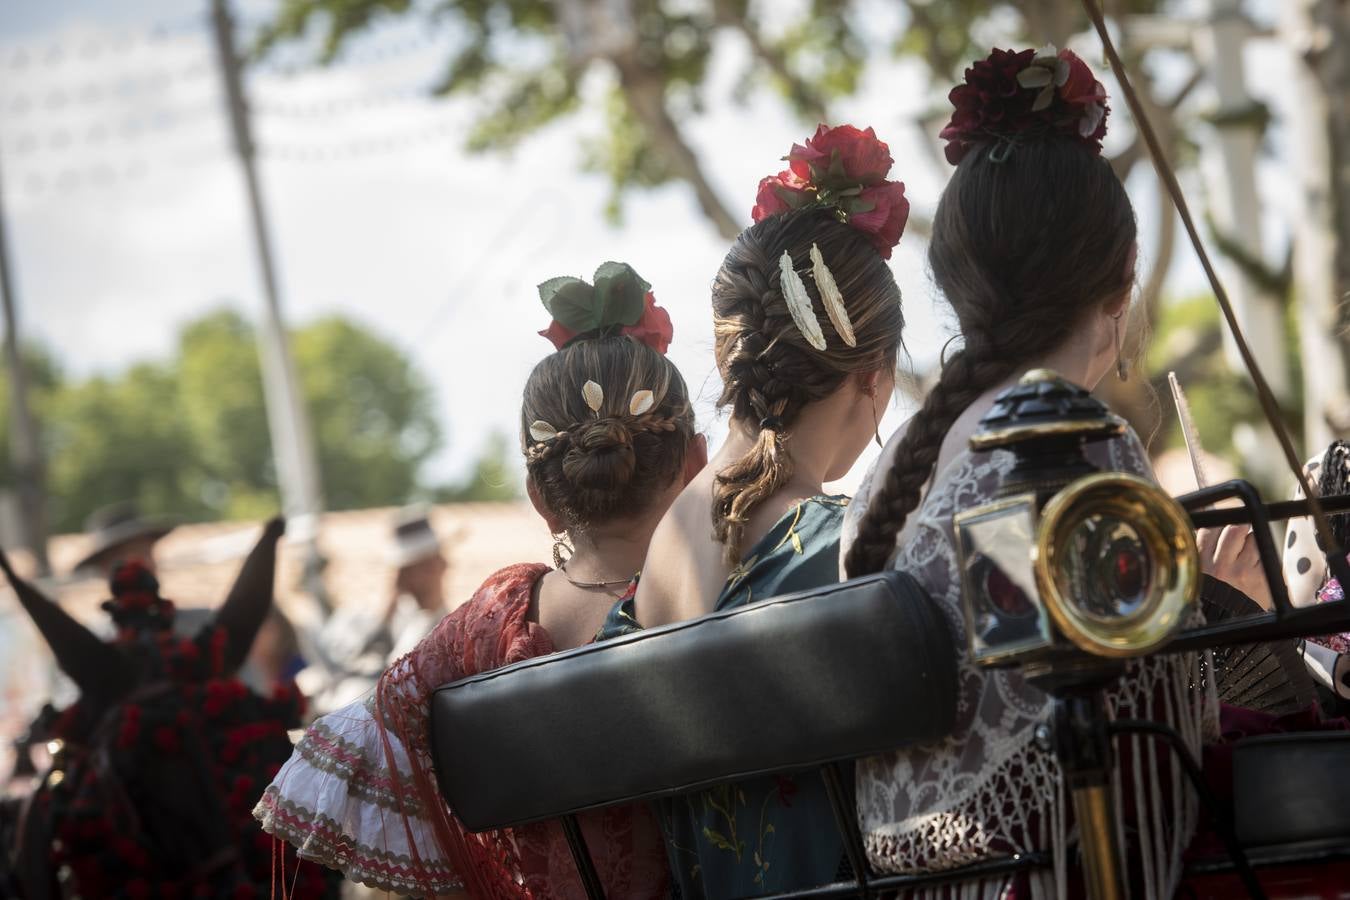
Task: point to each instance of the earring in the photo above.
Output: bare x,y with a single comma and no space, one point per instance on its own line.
942,356
559,545
1122,364
876,420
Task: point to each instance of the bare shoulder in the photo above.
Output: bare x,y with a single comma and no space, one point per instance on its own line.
684,572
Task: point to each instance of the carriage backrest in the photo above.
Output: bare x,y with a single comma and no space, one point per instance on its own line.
783,684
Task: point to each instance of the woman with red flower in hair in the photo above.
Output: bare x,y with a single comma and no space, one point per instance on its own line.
807,320
1033,245
607,433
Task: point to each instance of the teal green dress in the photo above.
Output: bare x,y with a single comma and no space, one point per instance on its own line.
769,834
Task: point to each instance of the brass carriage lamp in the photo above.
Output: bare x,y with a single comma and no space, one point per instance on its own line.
1068,559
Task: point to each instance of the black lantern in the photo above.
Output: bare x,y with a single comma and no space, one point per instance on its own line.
1068,559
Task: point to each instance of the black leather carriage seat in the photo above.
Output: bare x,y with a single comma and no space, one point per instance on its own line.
780,685
1292,791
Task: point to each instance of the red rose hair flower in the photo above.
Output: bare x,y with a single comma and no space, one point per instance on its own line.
1012,93
843,169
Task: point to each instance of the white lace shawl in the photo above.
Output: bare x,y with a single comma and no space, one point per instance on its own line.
987,790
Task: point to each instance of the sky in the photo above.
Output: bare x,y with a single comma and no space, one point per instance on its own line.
126,212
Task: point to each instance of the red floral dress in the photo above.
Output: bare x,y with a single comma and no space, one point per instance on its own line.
359,794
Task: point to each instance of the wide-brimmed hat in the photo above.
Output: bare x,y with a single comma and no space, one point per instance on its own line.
115,526
414,538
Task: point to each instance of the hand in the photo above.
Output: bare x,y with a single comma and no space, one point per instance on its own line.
1231,556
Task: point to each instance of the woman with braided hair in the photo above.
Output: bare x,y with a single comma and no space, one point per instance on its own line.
807,323
608,437
1033,246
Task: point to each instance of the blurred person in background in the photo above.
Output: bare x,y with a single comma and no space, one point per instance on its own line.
274,659
607,432
357,644
118,533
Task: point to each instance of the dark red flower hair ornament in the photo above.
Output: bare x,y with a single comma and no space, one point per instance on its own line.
136,603
1027,92
844,170
619,302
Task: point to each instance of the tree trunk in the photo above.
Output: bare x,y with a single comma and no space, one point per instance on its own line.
1316,33
606,29
646,95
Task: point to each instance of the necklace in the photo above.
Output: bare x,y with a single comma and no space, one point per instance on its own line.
604,585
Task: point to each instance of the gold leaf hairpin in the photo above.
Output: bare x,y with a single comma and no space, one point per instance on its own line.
542,431
641,402
594,395
831,298
799,303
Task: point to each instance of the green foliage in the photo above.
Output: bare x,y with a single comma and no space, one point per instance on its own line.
119,439
625,154
188,437
221,396
1189,341
949,34
44,378
523,63
371,411
495,475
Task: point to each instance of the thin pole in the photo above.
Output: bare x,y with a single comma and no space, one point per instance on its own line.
25,451
1269,405
288,421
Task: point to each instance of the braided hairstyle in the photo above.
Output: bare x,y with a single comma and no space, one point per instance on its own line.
770,373
604,463
1026,241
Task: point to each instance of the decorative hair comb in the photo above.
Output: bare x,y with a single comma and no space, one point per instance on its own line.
619,302
1012,93
545,435
844,170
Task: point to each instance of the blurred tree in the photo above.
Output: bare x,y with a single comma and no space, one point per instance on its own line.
1316,34
372,412
495,476
123,438
221,399
189,437
524,61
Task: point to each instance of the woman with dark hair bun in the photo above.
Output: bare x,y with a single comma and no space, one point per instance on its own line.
807,322
607,432
1033,246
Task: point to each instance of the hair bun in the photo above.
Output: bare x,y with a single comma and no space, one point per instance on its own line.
600,456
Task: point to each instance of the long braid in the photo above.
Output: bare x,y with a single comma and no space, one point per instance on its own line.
1017,295
754,349
769,371
966,376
